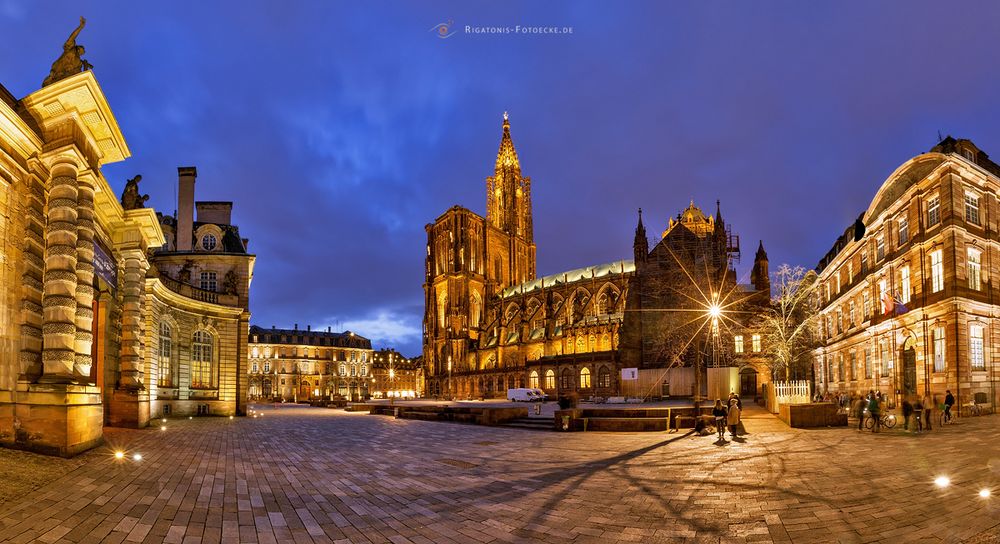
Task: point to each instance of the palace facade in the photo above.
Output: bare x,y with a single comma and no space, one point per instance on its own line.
84,288
490,324
395,375
907,292
294,364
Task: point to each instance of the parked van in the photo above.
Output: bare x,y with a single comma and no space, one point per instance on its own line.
540,395
520,394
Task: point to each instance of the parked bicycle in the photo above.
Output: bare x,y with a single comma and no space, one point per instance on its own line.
886,419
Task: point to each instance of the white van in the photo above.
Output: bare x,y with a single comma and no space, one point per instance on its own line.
540,395
520,394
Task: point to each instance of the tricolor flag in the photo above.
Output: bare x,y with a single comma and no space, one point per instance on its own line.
892,303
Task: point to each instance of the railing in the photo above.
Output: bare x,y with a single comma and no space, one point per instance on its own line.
788,393
196,293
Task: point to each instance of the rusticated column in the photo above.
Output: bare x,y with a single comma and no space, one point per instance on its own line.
85,281
31,279
133,287
59,280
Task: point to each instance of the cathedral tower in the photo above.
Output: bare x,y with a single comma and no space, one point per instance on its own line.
508,214
640,246
759,276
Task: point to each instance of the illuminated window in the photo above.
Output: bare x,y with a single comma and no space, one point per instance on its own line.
937,271
972,208
938,341
254,367
976,357
364,370
166,378
974,269
343,370
533,380
585,378
201,359
868,363
755,339
882,296
864,261
208,242
904,230
904,280
550,379
879,248
267,366
208,281
850,272
933,211
738,339
867,304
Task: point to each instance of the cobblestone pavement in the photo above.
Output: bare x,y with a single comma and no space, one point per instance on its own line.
318,475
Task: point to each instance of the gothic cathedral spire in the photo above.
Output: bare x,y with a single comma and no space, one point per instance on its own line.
508,198
641,244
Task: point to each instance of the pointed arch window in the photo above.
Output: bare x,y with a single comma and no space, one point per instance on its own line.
533,379
584,378
550,379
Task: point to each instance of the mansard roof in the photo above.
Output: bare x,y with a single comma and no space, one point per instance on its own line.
346,339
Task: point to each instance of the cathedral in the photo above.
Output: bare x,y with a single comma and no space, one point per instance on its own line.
491,324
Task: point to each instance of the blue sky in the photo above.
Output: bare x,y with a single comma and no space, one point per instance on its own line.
340,129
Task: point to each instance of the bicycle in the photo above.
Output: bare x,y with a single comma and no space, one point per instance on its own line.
887,420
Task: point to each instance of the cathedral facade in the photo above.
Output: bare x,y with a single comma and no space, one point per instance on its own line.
87,284
490,324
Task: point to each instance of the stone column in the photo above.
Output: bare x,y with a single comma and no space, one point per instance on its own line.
83,359
59,280
31,279
133,297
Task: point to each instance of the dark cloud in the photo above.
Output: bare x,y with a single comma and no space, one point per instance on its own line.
340,130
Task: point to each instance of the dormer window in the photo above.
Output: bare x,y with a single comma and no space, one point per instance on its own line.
208,242
969,154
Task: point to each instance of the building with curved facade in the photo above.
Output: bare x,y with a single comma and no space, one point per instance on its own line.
907,293
95,326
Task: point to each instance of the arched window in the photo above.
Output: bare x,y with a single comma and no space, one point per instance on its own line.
364,370
604,377
584,378
354,370
550,379
601,307
343,369
267,366
533,380
166,375
566,379
201,360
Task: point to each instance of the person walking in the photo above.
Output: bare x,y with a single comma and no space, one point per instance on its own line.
875,411
928,403
733,418
859,411
719,411
949,401
907,413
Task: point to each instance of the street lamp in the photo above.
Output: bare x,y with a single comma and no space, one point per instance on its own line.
450,396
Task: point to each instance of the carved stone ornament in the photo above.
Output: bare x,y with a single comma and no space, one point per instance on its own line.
70,62
131,199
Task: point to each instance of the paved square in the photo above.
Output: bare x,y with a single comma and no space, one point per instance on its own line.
303,474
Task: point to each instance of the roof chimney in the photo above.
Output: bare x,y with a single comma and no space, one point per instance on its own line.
309,328
185,207
296,326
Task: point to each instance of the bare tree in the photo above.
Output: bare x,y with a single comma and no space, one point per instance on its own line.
789,325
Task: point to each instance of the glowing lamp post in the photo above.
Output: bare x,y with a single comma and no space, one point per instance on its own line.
450,396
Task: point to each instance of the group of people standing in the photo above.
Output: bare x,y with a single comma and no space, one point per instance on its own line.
918,408
728,415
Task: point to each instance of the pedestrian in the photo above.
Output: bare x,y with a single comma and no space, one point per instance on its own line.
949,401
719,412
859,411
907,413
928,403
733,418
875,411
918,409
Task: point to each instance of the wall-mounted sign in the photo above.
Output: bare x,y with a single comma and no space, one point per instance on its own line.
630,373
104,266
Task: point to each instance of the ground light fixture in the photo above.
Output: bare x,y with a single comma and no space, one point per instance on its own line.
163,427
984,493
137,457
119,455
942,481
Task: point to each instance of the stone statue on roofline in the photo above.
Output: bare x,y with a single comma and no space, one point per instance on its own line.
131,199
70,62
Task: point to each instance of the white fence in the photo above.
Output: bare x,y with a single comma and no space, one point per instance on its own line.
787,393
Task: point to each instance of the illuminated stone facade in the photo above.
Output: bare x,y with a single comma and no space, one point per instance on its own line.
907,293
295,365
490,325
395,375
79,295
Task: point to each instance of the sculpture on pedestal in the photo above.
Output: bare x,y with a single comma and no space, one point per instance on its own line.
70,62
131,199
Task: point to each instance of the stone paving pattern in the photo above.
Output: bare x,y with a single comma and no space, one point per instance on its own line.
304,474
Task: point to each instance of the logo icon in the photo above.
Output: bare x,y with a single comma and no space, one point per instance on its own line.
443,30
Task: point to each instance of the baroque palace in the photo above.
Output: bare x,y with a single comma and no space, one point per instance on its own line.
110,314
908,300
490,324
